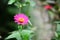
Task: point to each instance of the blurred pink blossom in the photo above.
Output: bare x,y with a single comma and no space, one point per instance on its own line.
48,7
21,19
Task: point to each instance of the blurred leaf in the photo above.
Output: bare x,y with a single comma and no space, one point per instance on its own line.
20,27
11,1
56,34
50,1
26,9
13,10
23,4
51,14
57,22
30,22
58,1
32,3
12,25
27,0
18,4
58,25
42,0
59,10
14,34
26,34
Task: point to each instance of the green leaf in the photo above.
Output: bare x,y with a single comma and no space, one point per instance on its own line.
27,0
58,1
24,4
30,22
56,34
14,34
18,4
20,27
58,27
13,10
26,34
32,3
57,22
11,1
51,14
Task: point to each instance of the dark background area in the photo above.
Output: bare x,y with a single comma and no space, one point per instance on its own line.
5,18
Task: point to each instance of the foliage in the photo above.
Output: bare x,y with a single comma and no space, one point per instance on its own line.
18,6
54,13
12,7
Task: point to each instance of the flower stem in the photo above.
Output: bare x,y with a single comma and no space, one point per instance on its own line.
20,27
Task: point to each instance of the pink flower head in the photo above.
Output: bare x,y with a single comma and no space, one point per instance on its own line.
21,19
48,7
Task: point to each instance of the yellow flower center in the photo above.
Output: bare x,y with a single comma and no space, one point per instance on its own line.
21,20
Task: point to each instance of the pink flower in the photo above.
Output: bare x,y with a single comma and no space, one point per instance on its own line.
48,7
21,19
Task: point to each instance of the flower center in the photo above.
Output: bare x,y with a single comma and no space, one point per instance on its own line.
21,20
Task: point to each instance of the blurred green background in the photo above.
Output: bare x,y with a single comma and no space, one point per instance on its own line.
6,19
8,11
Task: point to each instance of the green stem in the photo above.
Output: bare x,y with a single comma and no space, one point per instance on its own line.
20,27
19,9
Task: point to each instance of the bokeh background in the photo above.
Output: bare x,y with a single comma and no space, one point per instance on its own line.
8,11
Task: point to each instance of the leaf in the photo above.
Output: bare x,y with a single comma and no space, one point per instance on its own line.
30,22
18,4
58,25
58,1
27,0
56,34
51,14
32,3
26,34
19,27
13,10
50,1
14,34
57,22
24,4
11,1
